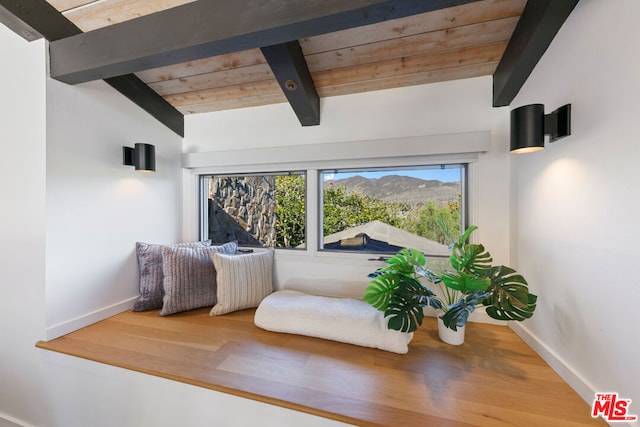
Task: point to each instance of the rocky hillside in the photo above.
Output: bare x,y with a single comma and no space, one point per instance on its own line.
404,189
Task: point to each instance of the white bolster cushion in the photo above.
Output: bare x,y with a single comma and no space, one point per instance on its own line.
339,319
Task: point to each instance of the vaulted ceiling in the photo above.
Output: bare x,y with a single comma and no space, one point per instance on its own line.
177,57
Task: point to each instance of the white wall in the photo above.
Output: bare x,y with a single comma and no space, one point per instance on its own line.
96,207
577,203
70,217
98,395
435,109
22,221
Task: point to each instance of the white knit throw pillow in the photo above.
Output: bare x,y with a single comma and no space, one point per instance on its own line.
243,280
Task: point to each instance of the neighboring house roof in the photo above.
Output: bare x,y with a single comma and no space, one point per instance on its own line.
377,236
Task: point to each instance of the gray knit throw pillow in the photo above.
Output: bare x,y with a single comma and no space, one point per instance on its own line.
150,274
190,277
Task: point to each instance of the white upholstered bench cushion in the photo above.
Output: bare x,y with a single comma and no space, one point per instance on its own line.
339,319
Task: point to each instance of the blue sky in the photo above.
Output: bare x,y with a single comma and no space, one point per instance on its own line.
450,174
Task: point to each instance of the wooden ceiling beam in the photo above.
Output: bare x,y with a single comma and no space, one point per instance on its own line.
18,26
540,22
290,68
41,18
38,17
146,98
208,28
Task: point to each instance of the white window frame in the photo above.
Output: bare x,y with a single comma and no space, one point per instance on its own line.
393,152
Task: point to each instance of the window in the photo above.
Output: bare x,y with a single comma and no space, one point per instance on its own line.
370,210
261,210
383,210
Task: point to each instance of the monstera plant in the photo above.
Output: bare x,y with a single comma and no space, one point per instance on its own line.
468,282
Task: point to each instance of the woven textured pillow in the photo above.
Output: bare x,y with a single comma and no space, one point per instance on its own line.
243,280
190,277
150,274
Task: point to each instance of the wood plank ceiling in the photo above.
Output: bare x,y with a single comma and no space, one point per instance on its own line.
454,43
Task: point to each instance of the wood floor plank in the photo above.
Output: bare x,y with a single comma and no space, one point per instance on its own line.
494,379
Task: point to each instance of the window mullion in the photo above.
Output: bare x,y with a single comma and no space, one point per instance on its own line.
314,211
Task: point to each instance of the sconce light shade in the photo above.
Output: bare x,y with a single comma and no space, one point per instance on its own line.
142,157
527,129
529,125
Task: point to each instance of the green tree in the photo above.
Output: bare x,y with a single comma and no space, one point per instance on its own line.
344,210
290,210
435,222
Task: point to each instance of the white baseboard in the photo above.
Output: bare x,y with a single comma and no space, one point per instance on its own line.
7,421
584,389
79,322
579,384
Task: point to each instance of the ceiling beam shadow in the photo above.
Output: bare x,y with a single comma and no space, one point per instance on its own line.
290,69
540,22
33,19
209,28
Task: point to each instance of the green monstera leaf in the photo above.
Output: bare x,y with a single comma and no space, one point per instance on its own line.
458,313
509,298
403,316
404,309
469,258
409,262
401,298
465,282
381,289
396,291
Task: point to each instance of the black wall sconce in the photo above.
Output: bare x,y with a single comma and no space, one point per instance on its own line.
142,157
529,125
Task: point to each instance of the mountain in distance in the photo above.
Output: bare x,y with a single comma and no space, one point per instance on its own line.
402,189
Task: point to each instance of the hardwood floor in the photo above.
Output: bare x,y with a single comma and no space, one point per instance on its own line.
494,379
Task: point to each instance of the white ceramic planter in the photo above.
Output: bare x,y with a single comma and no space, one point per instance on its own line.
449,335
